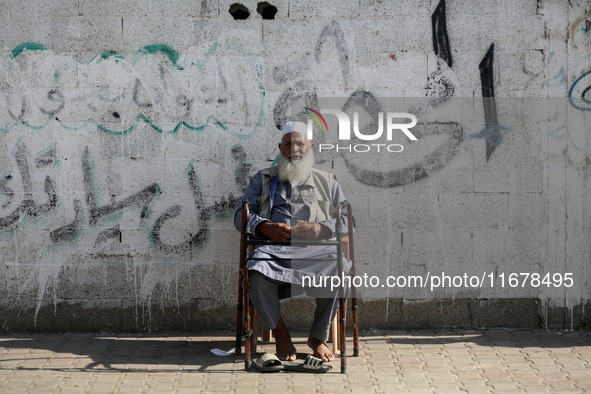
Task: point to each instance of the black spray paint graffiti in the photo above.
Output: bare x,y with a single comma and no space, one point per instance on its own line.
205,216
492,132
28,205
142,199
113,232
304,90
300,67
34,210
439,85
243,169
5,191
432,162
334,31
440,38
68,231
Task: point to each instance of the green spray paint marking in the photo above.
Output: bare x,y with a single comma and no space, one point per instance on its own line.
167,51
174,58
275,161
27,46
106,55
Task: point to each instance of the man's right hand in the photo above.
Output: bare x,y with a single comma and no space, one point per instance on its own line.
275,231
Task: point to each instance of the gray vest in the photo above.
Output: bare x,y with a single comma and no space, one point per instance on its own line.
316,194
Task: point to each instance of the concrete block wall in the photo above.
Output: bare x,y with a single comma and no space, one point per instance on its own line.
128,131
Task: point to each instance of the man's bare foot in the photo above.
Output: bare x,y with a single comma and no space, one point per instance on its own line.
283,344
320,349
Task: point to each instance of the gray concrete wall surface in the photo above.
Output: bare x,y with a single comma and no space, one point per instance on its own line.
129,129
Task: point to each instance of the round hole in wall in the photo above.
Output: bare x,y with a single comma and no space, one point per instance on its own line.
266,10
238,11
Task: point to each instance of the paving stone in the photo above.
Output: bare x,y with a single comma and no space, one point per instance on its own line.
426,364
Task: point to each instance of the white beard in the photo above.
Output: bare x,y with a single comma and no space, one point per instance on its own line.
297,171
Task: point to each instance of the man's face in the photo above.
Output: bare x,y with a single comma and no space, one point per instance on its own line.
294,146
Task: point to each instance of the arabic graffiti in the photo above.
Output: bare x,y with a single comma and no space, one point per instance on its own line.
155,85
28,205
93,211
494,137
440,38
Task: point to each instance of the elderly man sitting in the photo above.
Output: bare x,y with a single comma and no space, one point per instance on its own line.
287,201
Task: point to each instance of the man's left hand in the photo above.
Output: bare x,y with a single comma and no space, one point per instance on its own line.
311,231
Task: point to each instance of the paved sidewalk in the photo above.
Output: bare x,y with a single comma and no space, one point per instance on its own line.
440,361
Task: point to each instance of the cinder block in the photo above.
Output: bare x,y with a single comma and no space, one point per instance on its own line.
298,312
347,9
522,69
470,85
419,249
456,312
138,245
80,35
120,281
102,316
468,7
208,281
506,313
181,9
19,318
4,285
292,36
421,314
459,28
411,73
114,8
139,31
239,37
417,37
378,212
376,280
455,249
143,145
377,71
221,248
207,313
499,175
474,211
518,36
586,318
92,280
507,250
413,212
160,317
386,35
29,245
378,249
46,74
379,9
63,285
482,37
59,8
395,313
457,177
527,212
33,116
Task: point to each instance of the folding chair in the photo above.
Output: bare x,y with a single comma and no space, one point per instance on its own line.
244,329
